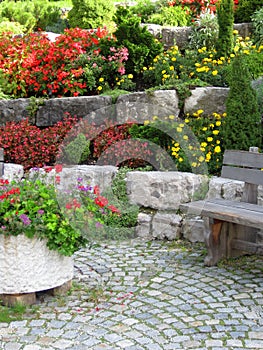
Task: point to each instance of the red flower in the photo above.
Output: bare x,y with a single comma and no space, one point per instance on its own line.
58,168
96,190
101,201
113,209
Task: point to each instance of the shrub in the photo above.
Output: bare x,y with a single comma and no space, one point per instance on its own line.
144,9
246,9
87,14
225,16
11,27
242,126
30,146
257,20
204,32
141,45
171,16
30,14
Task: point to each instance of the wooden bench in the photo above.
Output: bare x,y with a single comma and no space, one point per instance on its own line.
233,228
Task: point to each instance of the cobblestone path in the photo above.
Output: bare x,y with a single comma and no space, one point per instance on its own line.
147,295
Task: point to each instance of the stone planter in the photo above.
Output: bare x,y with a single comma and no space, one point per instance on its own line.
27,266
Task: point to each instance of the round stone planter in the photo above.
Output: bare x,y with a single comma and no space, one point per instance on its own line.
27,266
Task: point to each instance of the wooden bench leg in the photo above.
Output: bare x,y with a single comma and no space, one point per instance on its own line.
215,239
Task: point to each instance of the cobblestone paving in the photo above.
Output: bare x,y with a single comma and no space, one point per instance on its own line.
142,295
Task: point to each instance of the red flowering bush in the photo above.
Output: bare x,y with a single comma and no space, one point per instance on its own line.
35,66
30,146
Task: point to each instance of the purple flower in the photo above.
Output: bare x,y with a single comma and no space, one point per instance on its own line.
79,179
25,219
40,212
98,224
3,227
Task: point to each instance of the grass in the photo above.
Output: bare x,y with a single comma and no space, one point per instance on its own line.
61,4
14,313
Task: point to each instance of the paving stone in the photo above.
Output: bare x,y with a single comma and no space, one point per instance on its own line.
153,297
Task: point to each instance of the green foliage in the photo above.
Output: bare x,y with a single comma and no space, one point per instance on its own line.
3,84
31,15
138,40
88,14
13,27
204,32
245,10
77,151
170,16
225,17
258,86
13,313
144,9
257,20
242,126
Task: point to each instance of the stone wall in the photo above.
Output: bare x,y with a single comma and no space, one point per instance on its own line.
157,194
131,106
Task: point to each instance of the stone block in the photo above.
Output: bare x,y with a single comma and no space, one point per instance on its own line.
209,99
141,106
144,224
13,171
193,229
166,226
163,190
225,188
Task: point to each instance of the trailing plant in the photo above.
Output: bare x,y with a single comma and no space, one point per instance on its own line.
242,127
225,17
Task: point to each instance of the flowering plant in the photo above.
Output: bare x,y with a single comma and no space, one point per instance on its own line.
30,207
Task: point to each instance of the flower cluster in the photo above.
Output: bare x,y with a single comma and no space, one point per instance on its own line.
207,132
35,66
30,207
31,146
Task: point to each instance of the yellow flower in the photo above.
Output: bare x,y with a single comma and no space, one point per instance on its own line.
201,159
217,149
171,67
99,88
101,80
187,120
232,55
130,76
146,122
163,71
215,132
204,128
214,72
220,62
144,68
173,59
210,139
194,164
155,117
185,137
171,117
181,125
235,32
246,52
180,160
197,64
179,129
200,111
218,123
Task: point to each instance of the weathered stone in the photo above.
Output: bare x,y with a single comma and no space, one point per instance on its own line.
163,190
209,99
141,106
244,29
225,188
90,174
193,229
54,109
143,227
13,110
166,226
13,171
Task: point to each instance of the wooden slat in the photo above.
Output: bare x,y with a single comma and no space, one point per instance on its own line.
252,176
243,158
246,246
237,204
252,218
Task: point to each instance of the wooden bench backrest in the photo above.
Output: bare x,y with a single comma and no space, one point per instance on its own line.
244,166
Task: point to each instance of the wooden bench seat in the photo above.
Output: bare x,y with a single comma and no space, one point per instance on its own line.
233,227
